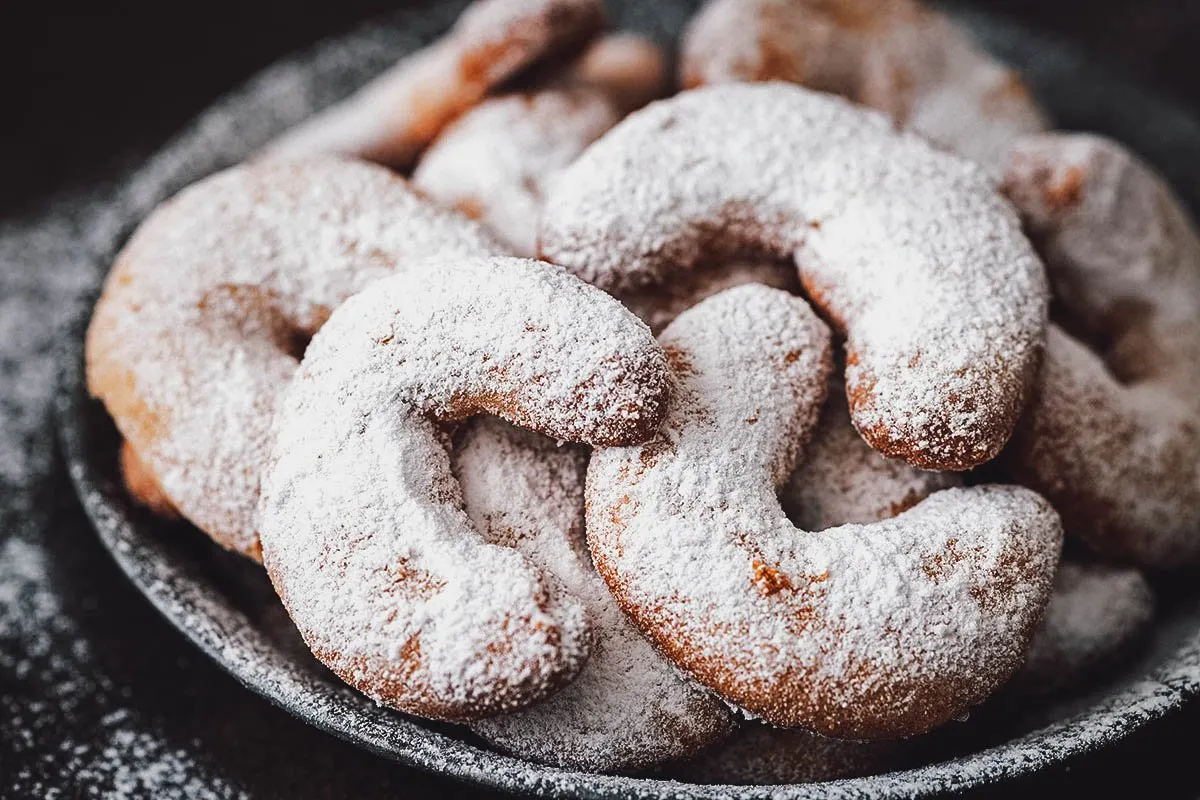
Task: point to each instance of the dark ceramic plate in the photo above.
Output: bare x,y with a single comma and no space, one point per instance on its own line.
226,607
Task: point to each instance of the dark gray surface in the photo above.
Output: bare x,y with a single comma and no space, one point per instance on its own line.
63,680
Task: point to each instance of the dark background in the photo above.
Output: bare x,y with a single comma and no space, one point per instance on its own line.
87,86
87,89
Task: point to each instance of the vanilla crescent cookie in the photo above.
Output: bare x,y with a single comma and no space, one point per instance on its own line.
628,708
911,252
839,481
394,117
1112,434
1095,613
897,56
203,315
865,631
494,164
362,524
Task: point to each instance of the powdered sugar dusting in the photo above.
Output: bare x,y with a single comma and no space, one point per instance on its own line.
831,631
1096,614
1125,261
896,56
841,480
363,530
628,707
400,112
911,251
1141,506
119,758
193,338
131,764
1122,254
495,163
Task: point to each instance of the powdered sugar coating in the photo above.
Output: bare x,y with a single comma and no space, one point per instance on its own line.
362,523
394,117
1096,614
841,480
494,163
628,707
864,631
1122,254
193,338
909,250
1112,437
1118,461
893,55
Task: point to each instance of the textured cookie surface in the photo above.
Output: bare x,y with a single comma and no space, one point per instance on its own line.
897,56
362,523
863,631
629,707
910,251
203,315
495,164
1112,434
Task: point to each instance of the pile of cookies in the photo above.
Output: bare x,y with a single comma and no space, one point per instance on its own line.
732,434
